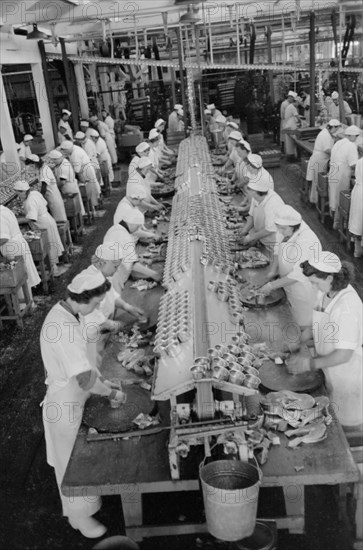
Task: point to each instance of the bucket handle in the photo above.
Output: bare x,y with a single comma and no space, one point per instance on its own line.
260,474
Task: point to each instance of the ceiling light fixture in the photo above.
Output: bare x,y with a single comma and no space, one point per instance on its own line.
35,34
191,16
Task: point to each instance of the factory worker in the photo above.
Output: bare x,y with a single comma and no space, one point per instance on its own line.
181,125
71,379
355,224
64,174
140,176
334,109
105,134
230,127
89,147
109,121
260,225
240,154
166,153
218,130
249,170
83,169
213,109
290,122
123,233
24,150
154,155
141,150
137,198
64,123
344,157
103,156
84,127
173,120
337,335
232,157
49,188
12,244
318,161
305,101
35,209
299,243
100,322
283,107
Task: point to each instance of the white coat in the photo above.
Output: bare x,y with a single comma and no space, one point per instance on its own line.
119,234
356,202
65,124
283,106
123,206
318,161
340,327
52,194
344,156
83,167
104,159
290,123
301,246
135,180
173,122
35,208
16,245
109,138
67,182
264,214
63,344
334,111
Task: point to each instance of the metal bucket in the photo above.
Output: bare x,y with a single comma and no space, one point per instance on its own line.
355,120
230,494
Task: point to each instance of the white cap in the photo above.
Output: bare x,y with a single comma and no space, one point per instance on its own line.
159,122
232,124
21,185
144,162
138,192
288,216
28,137
352,131
335,95
237,136
34,158
84,123
220,119
133,215
109,251
153,133
211,106
66,112
255,160
207,112
292,94
334,122
180,112
260,184
93,118
66,145
325,261
55,154
80,135
245,144
86,280
177,107
143,146
93,133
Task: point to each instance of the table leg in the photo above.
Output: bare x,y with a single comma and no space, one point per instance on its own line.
132,509
295,507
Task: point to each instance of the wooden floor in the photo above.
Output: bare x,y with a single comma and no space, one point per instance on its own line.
30,507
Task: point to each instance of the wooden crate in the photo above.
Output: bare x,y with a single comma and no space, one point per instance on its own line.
72,205
39,247
323,185
307,133
270,157
10,278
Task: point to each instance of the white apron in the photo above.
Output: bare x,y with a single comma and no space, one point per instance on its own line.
356,202
344,382
339,180
17,246
52,194
318,163
290,123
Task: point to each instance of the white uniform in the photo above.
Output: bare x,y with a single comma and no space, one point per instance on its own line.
301,246
264,214
63,345
234,156
318,161
104,159
109,138
283,106
135,180
110,125
173,122
290,123
16,245
52,194
344,156
123,206
334,111
154,156
67,182
119,234
35,208
133,164
340,327
356,202
24,152
83,167
261,176
65,124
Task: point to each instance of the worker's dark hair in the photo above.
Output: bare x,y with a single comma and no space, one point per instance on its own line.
340,280
86,296
124,224
295,227
262,193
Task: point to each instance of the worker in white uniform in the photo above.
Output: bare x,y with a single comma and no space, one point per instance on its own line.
24,150
180,115
260,225
230,127
283,106
355,224
232,157
218,131
137,198
12,244
64,174
49,189
250,170
83,169
84,127
305,102
344,157
100,322
105,134
64,123
141,150
290,122
299,243
89,147
213,109
167,154
337,335
36,212
318,161
103,156
173,120
124,233
154,155
334,109
109,121
140,176
71,379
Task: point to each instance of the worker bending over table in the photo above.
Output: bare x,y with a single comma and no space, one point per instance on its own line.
71,379
299,243
337,335
140,177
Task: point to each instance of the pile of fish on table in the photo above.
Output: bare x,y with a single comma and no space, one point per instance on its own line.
136,355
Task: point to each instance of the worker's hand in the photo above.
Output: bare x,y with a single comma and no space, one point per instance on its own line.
112,385
248,239
110,326
299,363
266,289
157,277
120,396
138,313
159,207
291,347
157,237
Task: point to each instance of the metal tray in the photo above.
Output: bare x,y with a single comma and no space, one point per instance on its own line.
271,300
275,378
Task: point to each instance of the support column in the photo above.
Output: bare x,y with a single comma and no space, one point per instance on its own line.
312,68
82,92
7,133
269,61
70,85
43,105
48,92
182,84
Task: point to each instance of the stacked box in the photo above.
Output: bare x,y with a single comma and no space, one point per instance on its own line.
270,157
